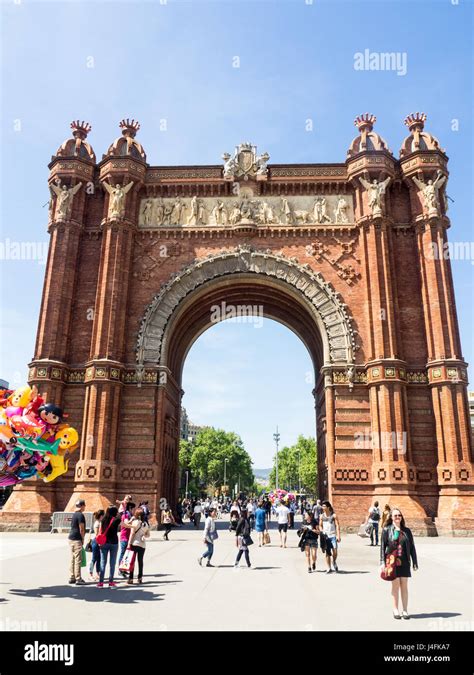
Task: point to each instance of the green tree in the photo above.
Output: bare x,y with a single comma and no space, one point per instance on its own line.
185,455
210,449
297,463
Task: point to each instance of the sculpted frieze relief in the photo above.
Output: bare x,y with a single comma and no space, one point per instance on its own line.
233,211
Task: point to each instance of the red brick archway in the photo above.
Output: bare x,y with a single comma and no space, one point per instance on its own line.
280,289
132,271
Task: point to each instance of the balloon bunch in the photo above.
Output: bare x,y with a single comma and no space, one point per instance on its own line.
34,439
281,496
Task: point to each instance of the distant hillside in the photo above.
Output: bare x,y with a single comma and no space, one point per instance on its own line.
262,473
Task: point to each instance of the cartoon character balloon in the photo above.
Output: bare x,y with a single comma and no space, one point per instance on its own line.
34,439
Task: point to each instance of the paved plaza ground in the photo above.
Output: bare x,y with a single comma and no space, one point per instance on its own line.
277,594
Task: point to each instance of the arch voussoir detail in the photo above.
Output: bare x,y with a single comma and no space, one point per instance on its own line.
326,302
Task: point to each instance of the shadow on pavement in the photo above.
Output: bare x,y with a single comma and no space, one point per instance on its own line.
244,567
347,572
122,594
266,568
161,540
436,615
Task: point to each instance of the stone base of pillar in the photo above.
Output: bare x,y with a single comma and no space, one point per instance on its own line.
352,509
28,509
96,496
455,516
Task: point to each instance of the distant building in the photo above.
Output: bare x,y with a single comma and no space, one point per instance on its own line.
189,431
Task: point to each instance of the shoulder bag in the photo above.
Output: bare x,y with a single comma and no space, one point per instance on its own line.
101,538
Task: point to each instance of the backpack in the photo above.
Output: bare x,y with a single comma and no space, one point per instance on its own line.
375,515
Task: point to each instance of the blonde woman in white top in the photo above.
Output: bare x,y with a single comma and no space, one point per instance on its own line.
140,532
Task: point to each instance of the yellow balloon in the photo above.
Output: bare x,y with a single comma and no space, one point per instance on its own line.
21,397
68,436
59,467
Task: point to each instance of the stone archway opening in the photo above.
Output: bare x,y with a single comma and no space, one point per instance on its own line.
282,290
248,374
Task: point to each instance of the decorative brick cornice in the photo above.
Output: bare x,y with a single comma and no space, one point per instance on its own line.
158,174
61,168
447,372
309,171
68,224
129,165
118,224
96,372
353,375
261,231
423,159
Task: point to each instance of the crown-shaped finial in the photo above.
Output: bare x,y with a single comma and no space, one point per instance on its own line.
129,127
415,121
365,122
80,129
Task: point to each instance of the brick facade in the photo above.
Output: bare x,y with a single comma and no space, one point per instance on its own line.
391,409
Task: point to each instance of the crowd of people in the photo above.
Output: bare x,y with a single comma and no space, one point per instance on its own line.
123,530
116,531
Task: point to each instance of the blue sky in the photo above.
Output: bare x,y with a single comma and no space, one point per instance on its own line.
101,61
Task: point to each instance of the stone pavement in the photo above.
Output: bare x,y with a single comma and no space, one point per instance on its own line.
277,594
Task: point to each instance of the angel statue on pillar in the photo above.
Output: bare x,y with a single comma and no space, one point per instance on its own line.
376,190
430,192
117,199
64,200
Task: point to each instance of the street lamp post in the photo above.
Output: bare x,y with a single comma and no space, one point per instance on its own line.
225,467
187,482
276,438
299,471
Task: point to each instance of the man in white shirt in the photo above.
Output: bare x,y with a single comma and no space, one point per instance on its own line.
250,513
197,515
283,516
317,510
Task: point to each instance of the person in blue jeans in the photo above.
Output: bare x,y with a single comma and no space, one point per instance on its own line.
374,518
95,562
210,535
109,527
125,518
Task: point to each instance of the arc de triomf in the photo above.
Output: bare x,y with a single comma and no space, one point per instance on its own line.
345,255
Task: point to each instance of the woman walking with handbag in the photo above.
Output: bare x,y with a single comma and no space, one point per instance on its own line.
309,540
107,539
396,550
243,539
125,517
260,523
167,519
94,546
140,532
210,535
